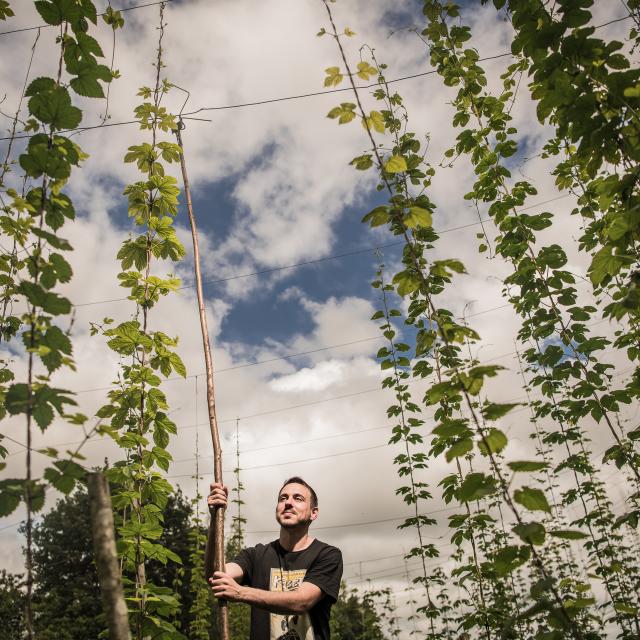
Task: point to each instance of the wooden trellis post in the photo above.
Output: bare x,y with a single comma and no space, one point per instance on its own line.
106,557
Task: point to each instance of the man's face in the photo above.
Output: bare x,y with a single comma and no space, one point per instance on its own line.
294,506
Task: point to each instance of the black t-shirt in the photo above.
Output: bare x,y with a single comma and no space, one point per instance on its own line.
269,566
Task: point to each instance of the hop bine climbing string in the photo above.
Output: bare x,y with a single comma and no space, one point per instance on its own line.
137,409
31,219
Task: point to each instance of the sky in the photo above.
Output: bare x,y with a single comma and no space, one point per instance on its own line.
287,262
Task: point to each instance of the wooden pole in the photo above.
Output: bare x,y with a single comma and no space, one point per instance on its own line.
106,557
218,516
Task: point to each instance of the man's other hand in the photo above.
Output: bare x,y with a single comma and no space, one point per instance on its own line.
224,586
217,496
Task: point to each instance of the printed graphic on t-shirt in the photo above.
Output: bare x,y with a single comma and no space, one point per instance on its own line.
293,627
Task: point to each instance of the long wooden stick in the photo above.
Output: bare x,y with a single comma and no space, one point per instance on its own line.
218,558
104,547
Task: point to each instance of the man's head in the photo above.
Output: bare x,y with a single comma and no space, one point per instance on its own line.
297,503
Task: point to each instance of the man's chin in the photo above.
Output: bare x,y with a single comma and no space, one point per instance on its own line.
290,523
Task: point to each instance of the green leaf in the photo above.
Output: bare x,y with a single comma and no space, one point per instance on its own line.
526,466
418,218
510,558
579,603
395,164
532,499
16,399
52,239
5,10
40,85
494,411
459,449
604,264
55,12
632,92
334,77
53,106
86,81
48,301
531,532
10,495
178,365
452,429
621,607
44,400
362,163
494,442
568,534
377,217
54,160
476,486
365,70
345,112
89,10
113,18
133,252
375,121
62,483
58,343
406,282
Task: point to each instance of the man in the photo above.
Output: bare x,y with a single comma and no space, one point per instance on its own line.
290,583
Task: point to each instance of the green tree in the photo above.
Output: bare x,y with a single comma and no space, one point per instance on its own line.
67,602
355,617
66,590
11,605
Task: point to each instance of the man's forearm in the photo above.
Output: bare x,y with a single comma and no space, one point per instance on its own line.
282,602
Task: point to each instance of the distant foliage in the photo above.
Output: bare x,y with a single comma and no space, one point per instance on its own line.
66,594
11,605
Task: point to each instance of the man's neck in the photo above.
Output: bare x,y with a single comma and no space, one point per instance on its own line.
295,539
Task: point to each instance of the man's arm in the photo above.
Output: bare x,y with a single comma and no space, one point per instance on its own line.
217,498
296,602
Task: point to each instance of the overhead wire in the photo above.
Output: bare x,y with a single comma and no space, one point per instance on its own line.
327,456
254,103
332,257
290,408
121,9
366,523
312,94
338,256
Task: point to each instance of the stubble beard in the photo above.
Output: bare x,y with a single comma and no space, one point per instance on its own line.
285,524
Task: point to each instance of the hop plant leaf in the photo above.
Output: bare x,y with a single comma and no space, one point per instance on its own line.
345,112
532,499
395,164
365,70
334,77
375,121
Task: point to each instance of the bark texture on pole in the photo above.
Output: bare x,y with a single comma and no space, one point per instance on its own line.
106,557
218,516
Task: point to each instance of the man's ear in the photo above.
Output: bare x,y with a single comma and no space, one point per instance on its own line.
314,513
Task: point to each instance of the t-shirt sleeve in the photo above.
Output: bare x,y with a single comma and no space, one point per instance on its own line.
326,572
246,560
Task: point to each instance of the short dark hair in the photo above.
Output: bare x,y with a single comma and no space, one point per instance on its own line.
299,480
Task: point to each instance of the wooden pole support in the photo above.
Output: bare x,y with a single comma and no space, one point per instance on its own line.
218,516
106,557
